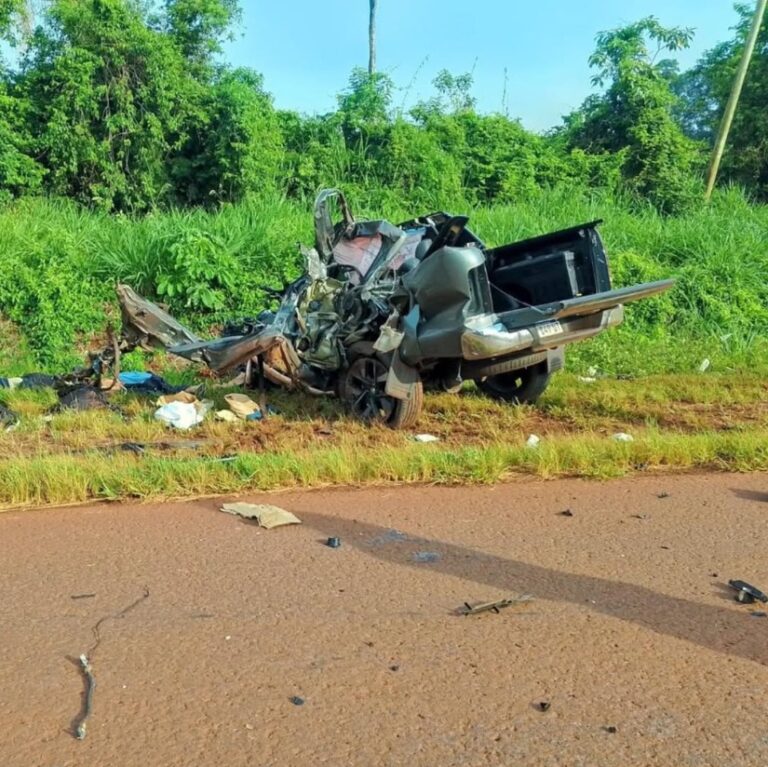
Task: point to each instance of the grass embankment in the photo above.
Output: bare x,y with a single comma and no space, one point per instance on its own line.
713,421
59,264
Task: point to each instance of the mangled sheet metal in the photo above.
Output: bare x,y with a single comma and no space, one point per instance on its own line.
148,326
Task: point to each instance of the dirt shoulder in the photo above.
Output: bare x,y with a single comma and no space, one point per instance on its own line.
631,627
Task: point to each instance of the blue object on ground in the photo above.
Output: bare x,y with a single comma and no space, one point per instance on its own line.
133,377
139,382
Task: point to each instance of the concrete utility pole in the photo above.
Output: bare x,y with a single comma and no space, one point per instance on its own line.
372,37
733,100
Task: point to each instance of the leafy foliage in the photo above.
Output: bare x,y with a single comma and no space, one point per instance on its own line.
634,115
199,272
123,107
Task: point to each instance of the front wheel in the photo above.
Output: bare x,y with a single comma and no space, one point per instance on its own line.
363,390
518,387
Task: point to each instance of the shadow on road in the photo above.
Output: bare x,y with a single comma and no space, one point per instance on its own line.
751,495
728,630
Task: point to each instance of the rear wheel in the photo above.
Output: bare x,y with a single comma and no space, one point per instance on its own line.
363,389
518,387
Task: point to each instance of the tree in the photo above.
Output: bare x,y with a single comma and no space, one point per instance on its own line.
235,148
126,109
199,28
19,172
634,115
107,97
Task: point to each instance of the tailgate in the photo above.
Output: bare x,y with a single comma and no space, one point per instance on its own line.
598,302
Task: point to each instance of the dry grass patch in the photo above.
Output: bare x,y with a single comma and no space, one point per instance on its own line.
679,422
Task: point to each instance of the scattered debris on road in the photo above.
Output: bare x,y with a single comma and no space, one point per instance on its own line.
333,543
495,607
543,705
296,700
90,686
565,513
746,593
82,596
267,516
86,658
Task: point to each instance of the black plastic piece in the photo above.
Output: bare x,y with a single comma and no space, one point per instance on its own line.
747,593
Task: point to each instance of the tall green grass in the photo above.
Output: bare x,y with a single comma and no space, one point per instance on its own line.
59,264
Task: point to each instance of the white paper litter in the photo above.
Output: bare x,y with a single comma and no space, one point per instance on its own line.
426,438
705,363
622,437
533,441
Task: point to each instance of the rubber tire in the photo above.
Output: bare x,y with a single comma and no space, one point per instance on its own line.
405,413
519,387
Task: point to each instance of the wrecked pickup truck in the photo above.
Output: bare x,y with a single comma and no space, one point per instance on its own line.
382,311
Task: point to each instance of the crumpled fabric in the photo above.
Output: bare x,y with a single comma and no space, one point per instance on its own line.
82,398
36,381
139,382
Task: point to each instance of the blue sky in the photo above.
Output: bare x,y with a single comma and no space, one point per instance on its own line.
306,48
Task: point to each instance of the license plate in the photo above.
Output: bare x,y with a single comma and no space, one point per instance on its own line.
547,329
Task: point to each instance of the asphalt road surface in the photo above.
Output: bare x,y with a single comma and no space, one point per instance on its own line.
258,647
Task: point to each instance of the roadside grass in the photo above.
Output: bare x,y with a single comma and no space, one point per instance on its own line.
711,421
60,264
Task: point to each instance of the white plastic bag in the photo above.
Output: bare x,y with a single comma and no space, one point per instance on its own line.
180,415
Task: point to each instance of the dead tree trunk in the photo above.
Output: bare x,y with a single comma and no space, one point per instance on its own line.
372,37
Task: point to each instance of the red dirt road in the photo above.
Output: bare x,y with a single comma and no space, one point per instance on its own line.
630,628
